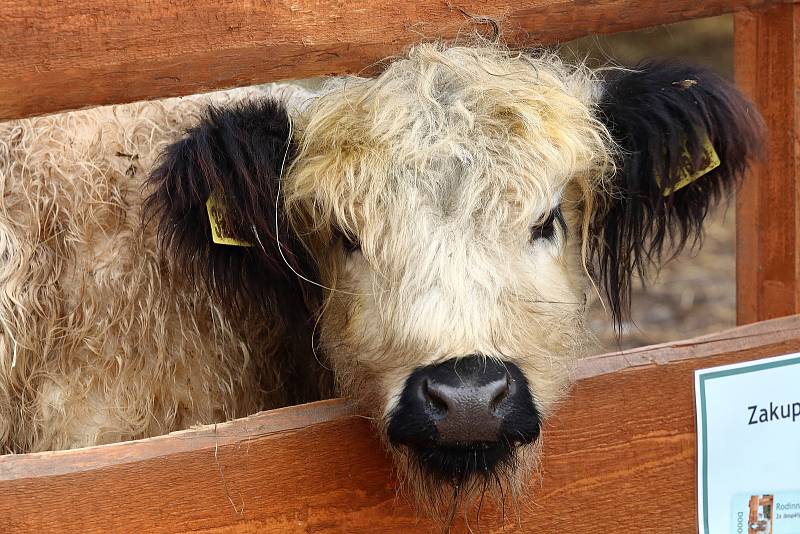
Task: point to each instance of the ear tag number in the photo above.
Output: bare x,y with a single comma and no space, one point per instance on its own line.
221,232
686,176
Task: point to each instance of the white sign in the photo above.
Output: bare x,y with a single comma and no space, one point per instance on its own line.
748,447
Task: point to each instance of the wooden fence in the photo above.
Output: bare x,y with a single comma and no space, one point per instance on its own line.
620,454
619,457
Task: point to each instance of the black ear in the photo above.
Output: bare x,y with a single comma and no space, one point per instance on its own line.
662,115
237,155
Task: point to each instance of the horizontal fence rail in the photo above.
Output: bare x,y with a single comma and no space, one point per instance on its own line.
66,55
619,456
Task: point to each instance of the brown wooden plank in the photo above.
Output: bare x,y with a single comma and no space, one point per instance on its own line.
768,208
64,55
619,457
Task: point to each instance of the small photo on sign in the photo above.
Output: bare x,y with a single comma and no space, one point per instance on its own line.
777,513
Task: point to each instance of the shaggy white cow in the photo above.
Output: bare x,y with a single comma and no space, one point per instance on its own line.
440,224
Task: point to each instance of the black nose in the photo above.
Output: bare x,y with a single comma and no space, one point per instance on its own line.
467,406
461,406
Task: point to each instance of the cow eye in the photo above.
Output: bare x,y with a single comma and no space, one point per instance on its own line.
547,228
349,243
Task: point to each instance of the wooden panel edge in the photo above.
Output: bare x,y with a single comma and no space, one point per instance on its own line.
271,422
738,338
59,56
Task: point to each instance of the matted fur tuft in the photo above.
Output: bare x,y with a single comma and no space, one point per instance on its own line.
658,113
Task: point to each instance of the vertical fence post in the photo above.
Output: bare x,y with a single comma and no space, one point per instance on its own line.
768,205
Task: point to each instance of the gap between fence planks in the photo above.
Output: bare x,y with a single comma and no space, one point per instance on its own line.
619,457
64,55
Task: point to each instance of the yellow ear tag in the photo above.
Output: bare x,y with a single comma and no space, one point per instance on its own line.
221,232
710,162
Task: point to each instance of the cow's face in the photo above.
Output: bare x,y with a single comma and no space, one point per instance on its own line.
455,211
445,203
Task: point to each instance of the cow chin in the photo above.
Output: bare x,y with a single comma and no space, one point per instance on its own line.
474,483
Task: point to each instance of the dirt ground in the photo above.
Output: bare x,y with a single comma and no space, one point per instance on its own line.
695,293
692,295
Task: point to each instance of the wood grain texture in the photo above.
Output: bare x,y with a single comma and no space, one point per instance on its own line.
65,55
768,206
619,457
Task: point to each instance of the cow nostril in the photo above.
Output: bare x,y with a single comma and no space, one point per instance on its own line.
498,392
436,398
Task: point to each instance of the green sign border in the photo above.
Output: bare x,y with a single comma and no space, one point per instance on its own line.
703,378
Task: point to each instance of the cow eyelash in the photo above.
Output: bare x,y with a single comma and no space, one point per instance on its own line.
547,228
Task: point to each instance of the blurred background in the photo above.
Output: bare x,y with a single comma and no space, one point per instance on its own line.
696,292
